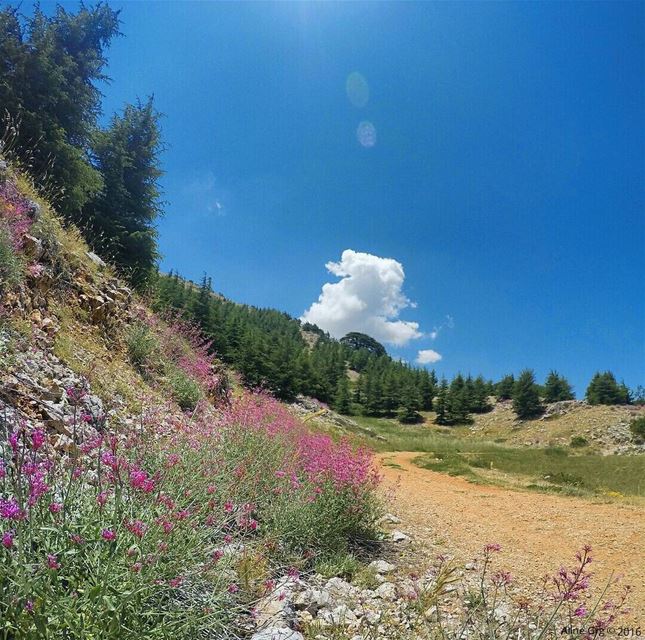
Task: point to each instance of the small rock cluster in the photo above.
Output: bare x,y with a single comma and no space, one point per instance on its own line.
34,392
323,606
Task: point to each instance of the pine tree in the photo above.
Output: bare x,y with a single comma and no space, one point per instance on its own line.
603,389
557,388
410,406
50,67
505,386
427,389
526,401
480,396
440,405
372,400
390,400
341,399
200,308
119,221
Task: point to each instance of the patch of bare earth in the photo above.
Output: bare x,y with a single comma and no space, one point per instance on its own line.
538,532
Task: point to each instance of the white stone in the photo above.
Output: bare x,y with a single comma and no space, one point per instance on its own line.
387,591
338,587
341,615
389,518
381,566
277,633
399,536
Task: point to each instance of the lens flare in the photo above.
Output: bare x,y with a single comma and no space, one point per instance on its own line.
366,134
358,91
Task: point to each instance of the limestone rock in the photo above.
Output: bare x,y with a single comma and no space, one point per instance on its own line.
277,633
399,536
387,591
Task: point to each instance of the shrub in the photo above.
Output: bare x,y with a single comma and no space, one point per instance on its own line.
579,441
133,534
185,391
344,565
637,427
141,344
11,266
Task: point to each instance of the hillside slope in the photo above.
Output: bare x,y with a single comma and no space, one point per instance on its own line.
143,494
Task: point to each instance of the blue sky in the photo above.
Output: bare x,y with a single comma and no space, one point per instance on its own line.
506,178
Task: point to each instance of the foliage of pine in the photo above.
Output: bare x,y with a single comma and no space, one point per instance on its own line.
119,220
526,398
456,401
103,181
268,350
557,388
603,389
49,68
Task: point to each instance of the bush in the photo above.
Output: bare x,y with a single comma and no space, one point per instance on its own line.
132,536
579,441
11,266
185,391
637,427
142,345
343,565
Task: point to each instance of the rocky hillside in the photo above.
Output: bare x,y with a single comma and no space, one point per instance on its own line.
605,429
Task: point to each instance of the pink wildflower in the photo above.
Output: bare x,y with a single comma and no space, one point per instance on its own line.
136,528
108,534
38,438
55,507
75,395
233,588
7,539
292,572
52,561
13,440
10,509
502,579
217,555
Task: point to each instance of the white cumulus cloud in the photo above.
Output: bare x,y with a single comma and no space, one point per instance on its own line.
367,298
428,356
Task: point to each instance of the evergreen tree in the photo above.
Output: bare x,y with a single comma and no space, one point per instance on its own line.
639,395
341,399
557,388
526,401
360,341
441,402
427,389
390,400
50,67
480,394
372,400
119,221
504,387
603,389
410,406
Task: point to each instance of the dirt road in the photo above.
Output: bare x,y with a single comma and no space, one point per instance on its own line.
538,532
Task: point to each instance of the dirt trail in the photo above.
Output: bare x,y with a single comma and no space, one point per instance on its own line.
538,532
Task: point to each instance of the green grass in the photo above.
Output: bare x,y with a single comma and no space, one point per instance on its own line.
552,469
572,473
